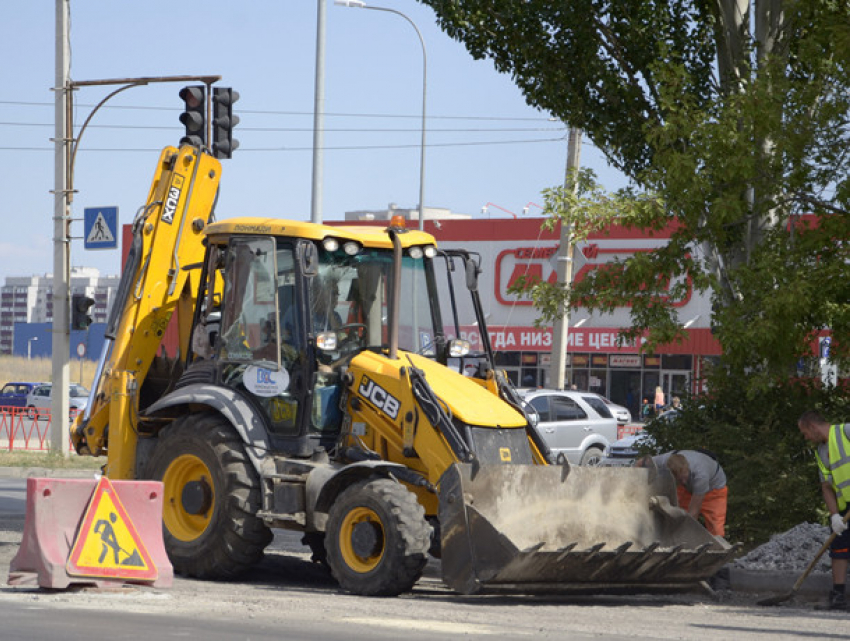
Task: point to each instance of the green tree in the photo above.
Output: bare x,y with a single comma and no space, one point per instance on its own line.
731,118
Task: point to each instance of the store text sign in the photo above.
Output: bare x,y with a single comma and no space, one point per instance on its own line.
540,339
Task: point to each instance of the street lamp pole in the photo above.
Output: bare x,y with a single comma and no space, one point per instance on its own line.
319,118
362,5
561,329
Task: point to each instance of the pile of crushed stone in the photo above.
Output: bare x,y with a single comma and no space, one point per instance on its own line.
790,551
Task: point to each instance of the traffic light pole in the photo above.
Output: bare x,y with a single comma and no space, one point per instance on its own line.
61,340
65,148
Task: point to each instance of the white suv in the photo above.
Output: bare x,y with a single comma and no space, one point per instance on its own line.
578,425
39,400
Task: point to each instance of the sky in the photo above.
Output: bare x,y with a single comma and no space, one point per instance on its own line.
485,145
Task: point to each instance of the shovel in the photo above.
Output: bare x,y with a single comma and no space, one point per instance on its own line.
776,600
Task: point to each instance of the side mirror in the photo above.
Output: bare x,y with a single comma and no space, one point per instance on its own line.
308,256
471,276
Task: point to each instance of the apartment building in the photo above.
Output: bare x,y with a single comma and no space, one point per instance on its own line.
29,299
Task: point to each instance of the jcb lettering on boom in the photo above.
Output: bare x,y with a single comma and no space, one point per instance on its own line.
172,199
380,397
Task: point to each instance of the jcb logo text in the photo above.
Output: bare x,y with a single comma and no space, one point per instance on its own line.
379,397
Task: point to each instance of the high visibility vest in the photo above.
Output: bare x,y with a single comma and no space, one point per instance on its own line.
838,465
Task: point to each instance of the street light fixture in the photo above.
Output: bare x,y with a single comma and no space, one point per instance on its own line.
359,4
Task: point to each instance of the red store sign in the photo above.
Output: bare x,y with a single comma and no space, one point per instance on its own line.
537,265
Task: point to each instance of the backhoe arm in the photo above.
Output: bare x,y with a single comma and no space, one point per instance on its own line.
167,237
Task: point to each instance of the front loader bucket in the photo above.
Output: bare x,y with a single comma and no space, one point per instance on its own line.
530,528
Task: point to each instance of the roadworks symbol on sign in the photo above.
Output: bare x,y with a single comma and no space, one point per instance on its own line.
108,544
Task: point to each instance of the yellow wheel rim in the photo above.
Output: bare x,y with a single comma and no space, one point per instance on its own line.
359,518
184,470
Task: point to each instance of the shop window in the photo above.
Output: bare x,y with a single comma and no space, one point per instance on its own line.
506,359
676,361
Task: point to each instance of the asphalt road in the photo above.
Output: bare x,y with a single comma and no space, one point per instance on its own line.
288,597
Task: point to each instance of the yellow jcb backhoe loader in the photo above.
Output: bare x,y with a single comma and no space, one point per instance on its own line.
320,386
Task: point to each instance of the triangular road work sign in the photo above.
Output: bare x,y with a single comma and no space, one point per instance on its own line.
108,544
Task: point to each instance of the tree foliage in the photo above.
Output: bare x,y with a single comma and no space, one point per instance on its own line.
732,118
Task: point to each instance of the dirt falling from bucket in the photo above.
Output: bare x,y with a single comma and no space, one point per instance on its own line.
592,506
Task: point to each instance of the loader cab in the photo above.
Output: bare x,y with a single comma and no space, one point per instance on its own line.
288,313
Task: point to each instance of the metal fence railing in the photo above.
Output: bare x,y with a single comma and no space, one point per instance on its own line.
25,428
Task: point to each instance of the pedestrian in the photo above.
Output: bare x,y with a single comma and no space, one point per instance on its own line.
659,399
834,471
646,409
700,485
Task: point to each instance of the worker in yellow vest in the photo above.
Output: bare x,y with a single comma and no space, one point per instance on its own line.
833,456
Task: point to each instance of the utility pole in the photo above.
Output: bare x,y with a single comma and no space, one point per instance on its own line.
564,268
319,116
61,342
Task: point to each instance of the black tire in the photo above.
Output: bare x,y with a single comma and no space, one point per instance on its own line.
436,548
592,456
316,542
211,496
377,538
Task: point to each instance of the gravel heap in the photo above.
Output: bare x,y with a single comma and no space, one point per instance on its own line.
789,551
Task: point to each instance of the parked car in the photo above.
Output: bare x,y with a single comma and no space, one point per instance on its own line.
39,400
15,394
624,451
622,414
578,425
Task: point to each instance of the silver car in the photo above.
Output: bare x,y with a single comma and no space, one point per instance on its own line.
39,400
624,452
622,414
578,425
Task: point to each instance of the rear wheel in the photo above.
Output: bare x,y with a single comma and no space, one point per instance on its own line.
211,495
591,456
377,538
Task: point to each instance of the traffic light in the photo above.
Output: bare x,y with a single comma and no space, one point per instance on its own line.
223,122
194,115
80,304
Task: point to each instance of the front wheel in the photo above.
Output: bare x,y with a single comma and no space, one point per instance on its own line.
211,495
591,456
377,538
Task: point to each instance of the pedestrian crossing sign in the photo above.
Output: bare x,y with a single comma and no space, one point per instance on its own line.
108,544
100,227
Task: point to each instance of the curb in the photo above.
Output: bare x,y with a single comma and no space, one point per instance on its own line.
815,585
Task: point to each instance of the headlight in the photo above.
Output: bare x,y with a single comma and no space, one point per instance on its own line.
326,341
415,252
351,248
458,347
330,244
430,251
